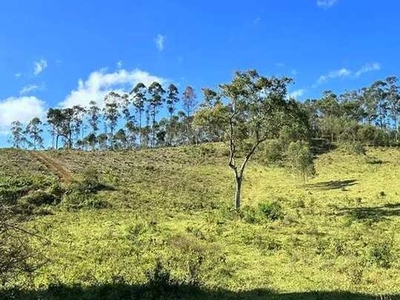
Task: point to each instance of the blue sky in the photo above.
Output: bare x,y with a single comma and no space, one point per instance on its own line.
60,53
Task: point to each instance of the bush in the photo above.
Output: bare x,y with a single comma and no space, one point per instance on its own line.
300,159
381,254
353,148
271,210
39,198
249,214
91,181
75,199
273,152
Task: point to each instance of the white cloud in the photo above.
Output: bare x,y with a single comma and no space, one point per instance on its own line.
100,83
17,75
28,89
120,64
346,73
368,68
297,93
326,3
39,66
22,109
160,40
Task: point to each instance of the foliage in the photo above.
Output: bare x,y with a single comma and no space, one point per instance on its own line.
300,159
271,210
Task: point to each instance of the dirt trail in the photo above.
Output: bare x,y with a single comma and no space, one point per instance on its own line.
53,166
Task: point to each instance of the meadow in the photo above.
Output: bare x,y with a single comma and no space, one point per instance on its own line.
160,224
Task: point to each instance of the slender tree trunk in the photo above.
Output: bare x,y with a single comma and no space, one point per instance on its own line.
238,192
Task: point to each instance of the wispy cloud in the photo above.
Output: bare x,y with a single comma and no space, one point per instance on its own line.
343,72
297,93
326,3
120,64
160,40
39,66
368,68
347,73
17,75
257,20
28,89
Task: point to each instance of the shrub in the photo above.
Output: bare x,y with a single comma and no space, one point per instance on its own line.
75,199
353,148
381,255
249,214
159,280
273,152
39,198
300,159
91,181
271,210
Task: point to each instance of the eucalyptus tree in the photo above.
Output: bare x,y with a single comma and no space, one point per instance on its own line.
126,104
62,122
189,104
34,131
18,138
211,120
139,101
172,99
78,121
133,131
189,100
91,140
121,140
393,98
156,100
94,116
111,113
258,108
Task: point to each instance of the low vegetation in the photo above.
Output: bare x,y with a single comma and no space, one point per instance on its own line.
165,226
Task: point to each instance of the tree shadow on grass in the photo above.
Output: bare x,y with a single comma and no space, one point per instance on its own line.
333,185
375,213
129,292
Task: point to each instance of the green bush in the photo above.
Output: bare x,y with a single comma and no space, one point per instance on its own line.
75,199
353,148
39,198
273,152
381,254
300,159
271,210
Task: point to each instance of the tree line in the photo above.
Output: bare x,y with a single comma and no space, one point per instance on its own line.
127,121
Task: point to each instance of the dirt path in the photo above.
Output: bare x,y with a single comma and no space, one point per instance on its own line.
53,166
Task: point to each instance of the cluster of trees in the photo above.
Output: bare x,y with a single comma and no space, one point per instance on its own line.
369,115
129,121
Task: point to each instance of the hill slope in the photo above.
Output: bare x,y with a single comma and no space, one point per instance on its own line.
339,232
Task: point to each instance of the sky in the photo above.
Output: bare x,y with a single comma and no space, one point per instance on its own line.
62,53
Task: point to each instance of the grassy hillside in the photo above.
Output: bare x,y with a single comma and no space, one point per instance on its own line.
337,233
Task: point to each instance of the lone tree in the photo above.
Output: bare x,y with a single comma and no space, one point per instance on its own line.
257,109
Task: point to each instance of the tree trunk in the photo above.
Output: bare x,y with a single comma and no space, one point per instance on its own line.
238,192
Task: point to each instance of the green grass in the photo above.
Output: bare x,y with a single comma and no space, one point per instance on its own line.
339,233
